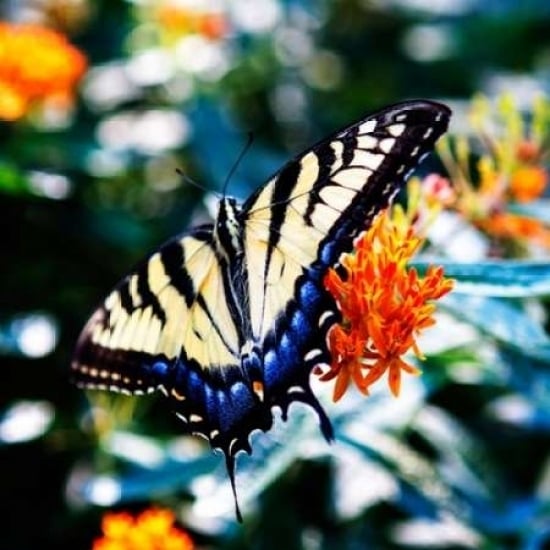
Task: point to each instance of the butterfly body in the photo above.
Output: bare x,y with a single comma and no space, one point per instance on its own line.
229,319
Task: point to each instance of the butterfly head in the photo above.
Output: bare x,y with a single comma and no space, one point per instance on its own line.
228,227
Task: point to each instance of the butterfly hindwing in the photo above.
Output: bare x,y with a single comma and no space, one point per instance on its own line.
229,319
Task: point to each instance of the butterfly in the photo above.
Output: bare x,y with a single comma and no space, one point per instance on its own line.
228,319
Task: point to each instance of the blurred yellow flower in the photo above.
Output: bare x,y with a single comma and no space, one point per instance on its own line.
384,306
36,65
153,529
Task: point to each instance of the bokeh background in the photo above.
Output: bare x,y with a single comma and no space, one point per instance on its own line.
90,184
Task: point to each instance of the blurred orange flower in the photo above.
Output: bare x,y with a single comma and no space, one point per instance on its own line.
384,306
180,20
153,529
514,226
36,65
528,183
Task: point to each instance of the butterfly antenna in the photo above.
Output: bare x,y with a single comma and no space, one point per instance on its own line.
191,181
238,161
230,465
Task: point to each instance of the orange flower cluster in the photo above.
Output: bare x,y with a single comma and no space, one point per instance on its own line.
179,20
36,65
384,307
528,183
510,169
153,529
507,225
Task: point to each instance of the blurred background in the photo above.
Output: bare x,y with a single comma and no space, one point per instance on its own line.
92,136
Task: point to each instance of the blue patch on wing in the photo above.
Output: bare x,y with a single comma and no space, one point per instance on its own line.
296,333
217,402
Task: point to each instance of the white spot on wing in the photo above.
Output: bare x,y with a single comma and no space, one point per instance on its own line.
367,127
387,144
338,149
324,316
366,142
396,129
231,445
312,354
368,159
133,290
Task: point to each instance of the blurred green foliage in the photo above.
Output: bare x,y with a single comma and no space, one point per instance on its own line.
461,460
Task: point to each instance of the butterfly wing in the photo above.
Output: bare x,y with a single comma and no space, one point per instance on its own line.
305,218
168,326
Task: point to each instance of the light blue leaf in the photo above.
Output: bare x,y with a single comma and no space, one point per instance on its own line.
502,320
273,453
539,210
506,278
421,486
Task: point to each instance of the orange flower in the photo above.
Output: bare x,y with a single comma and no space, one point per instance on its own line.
384,307
153,529
180,20
527,183
36,65
213,26
514,226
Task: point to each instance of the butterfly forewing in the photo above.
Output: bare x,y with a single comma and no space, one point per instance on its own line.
308,215
174,303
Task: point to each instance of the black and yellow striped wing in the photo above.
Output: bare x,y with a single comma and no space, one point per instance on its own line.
175,298
311,211
229,319
304,218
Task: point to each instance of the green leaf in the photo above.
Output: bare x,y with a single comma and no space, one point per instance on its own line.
11,180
